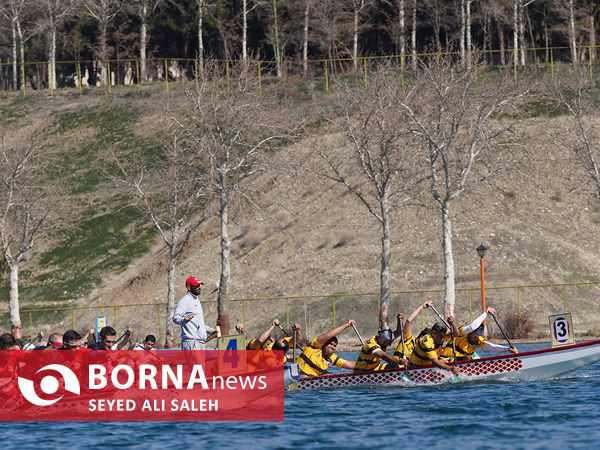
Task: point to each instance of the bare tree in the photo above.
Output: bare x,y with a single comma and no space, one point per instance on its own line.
57,12
378,164
103,12
27,208
13,11
453,118
357,7
170,189
583,136
232,128
143,10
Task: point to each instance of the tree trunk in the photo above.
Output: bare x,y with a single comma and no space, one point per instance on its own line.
384,288
14,56
468,36
522,31
572,43
52,58
245,30
516,32
103,54
305,41
143,43
449,299
277,49
21,53
414,36
13,301
222,298
200,38
593,38
355,43
169,338
401,29
463,22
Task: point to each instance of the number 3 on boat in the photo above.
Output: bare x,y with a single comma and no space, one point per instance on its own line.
561,329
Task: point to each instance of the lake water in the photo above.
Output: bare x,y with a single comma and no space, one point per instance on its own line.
545,414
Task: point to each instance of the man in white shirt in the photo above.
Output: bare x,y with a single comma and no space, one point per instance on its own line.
188,314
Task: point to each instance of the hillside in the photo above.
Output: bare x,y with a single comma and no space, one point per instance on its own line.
304,237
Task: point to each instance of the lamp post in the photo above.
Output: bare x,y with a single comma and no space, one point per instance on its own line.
481,252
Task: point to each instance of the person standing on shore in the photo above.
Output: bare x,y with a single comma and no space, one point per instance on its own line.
189,315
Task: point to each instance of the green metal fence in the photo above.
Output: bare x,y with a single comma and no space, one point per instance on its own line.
318,313
168,73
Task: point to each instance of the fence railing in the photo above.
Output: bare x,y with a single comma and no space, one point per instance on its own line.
106,75
318,313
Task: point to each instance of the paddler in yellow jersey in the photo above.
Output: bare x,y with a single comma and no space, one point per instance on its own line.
373,352
428,348
318,356
409,339
469,338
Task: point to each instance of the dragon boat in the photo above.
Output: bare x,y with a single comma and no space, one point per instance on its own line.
527,366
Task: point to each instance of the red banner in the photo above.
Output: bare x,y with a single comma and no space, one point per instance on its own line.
141,385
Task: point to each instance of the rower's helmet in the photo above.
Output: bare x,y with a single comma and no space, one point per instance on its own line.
386,336
439,327
480,331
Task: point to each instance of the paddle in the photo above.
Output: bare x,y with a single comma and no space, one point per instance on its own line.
451,336
148,350
294,346
405,376
288,335
358,334
502,330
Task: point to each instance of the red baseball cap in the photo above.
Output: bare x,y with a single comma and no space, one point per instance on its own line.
193,281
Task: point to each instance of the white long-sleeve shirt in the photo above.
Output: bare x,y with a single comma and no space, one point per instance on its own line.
487,345
194,329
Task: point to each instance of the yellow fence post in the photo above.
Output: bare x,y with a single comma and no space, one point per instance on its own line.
365,65
259,80
73,317
108,77
518,302
30,327
196,74
591,67
158,322
51,84
287,312
378,303
402,71
137,74
244,313
115,316
422,315
227,73
326,78
79,76
565,296
515,64
333,309
552,62
167,74
470,310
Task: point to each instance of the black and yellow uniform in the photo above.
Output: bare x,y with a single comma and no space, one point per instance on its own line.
366,359
254,344
312,362
286,339
425,351
409,345
464,349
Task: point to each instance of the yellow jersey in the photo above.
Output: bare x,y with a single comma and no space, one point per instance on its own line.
254,344
409,345
313,363
366,358
464,349
425,351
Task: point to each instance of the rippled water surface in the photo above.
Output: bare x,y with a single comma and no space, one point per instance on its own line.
545,414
